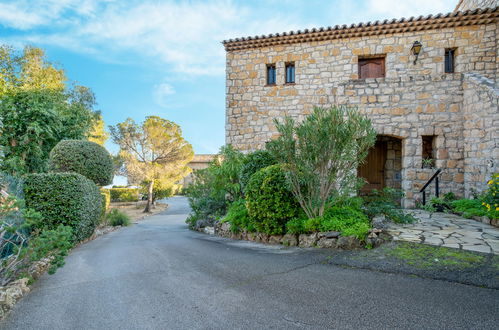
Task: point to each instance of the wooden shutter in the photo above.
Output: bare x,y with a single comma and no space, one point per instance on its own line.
371,68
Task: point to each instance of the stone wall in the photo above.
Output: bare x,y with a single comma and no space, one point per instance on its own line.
481,131
411,101
464,5
199,162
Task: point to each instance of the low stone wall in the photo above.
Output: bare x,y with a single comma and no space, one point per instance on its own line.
331,239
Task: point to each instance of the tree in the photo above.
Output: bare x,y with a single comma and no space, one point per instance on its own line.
152,151
98,134
322,154
37,110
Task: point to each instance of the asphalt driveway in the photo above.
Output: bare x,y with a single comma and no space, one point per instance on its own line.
159,275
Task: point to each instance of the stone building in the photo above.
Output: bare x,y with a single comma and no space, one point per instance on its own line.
438,109
199,162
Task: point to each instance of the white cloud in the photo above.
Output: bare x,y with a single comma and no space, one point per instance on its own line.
402,8
161,93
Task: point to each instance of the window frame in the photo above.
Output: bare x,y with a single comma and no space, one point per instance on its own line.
450,60
286,66
268,67
362,59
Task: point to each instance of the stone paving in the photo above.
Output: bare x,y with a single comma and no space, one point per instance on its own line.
448,230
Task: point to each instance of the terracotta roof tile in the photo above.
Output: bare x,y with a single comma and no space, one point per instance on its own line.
439,21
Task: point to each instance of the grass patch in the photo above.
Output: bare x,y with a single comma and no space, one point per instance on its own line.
427,256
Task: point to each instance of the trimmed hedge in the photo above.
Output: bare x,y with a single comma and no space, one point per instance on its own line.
84,157
68,199
106,200
269,202
124,194
254,162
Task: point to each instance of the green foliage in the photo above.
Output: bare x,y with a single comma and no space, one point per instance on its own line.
214,188
67,199
84,157
296,226
386,202
160,190
23,242
237,216
469,207
321,154
491,197
253,162
106,201
269,201
117,218
124,194
37,110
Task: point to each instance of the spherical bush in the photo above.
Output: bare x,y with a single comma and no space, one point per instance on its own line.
84,157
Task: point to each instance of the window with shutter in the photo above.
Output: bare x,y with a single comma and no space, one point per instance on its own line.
271,74
449,60
290,73
371,67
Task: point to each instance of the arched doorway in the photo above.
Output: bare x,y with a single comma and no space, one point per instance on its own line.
383,165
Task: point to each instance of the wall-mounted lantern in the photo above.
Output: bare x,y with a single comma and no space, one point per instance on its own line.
416,49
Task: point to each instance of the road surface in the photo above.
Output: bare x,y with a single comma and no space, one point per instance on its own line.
159,275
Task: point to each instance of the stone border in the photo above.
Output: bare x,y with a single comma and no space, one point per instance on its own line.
330,240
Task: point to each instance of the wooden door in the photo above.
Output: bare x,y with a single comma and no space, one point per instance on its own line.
373,169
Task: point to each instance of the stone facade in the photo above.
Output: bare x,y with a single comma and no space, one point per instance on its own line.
199,162
412,100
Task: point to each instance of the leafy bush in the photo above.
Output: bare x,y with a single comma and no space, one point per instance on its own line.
321,153
68,199
296,226
237,216
84,157
116,217
349,221
253,162
491,197
214,188
22,242
469,207
124,194
106,200
160,190
386,202
269,201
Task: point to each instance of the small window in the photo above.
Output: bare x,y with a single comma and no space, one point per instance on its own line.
449,60
271,74
428,151
371,67
290,73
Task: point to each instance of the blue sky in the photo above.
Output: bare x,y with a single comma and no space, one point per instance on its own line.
164,57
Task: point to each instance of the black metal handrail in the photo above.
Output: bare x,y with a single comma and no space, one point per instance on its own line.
433,177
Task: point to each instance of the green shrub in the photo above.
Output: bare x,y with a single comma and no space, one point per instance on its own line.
469,207
296,226
269,202
124,194
253,162
237,216
349,221
117,218
84,157
106,201
67,199
386,202
491,197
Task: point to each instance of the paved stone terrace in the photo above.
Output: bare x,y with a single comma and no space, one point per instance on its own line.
448,230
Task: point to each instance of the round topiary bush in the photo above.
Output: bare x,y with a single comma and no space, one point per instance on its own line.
269,202
253,162
84,157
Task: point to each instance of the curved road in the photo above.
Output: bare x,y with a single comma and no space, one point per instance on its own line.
159,275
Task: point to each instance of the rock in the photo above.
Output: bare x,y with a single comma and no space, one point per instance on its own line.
379,221
348,243
275,239
290,240
327,243
262,238
251,237
372,235
22,284
6,300
329,234
209,230
307,240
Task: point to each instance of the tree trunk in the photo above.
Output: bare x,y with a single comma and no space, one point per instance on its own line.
149,197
